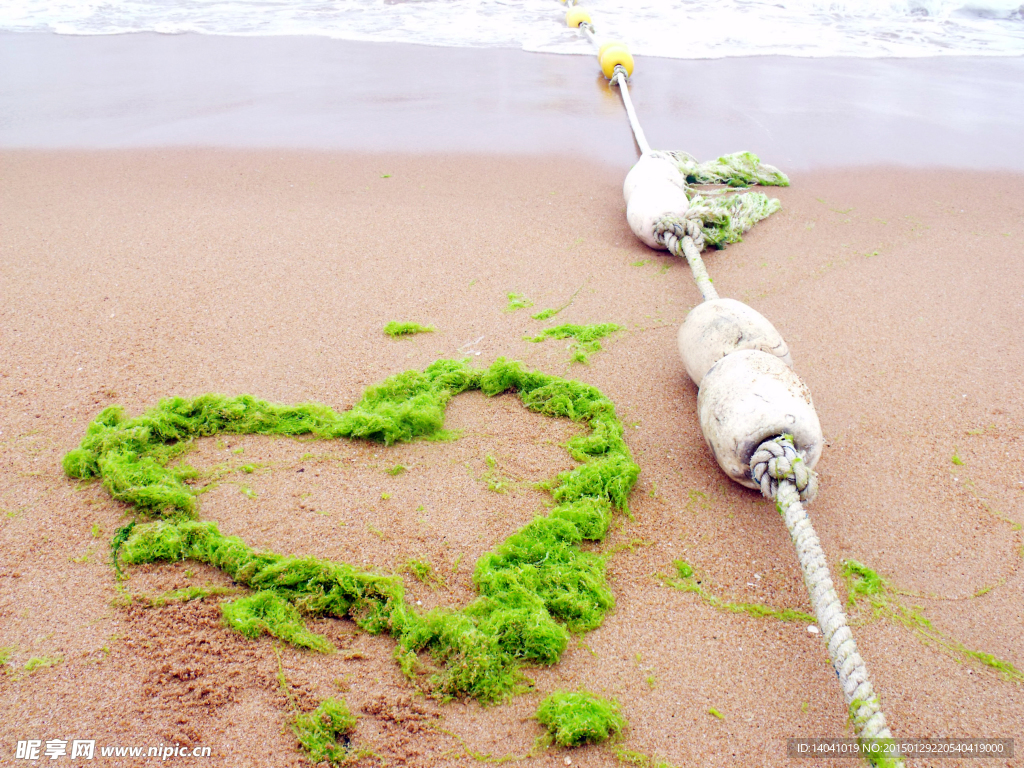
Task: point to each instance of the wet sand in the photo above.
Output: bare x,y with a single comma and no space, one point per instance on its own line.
149,90
135,274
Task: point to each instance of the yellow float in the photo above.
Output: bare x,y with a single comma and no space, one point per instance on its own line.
576,16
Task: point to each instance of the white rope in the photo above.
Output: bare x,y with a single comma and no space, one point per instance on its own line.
783,476
777,468
685,247
685,237
719,220
588,30
620,77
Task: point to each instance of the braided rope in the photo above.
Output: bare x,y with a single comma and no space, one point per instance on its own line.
620,78
777,460
776,466
684,236
784,477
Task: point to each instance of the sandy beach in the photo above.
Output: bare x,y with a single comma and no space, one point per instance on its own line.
134,267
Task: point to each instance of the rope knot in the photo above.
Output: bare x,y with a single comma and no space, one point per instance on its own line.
670,231
776,460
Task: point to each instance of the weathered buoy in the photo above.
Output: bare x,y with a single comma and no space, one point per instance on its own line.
651,201
748,397
651,168
716,328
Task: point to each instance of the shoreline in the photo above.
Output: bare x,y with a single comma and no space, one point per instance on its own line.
149,90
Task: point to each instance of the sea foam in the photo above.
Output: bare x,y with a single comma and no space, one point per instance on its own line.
669,28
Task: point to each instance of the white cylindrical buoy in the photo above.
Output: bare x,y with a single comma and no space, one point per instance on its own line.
649,202
720,327
748,397
651,168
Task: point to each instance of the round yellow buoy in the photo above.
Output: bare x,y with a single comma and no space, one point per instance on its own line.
577,16
605,46
613,54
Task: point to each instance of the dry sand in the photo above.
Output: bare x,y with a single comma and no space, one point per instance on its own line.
129,276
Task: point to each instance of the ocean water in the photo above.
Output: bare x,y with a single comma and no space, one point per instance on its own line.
698,29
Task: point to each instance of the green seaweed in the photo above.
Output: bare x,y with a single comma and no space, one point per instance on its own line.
423,572
534,588
486,757
395,329
42,662
320,731
546,314
740,169
184,595
574,718
517,301
628,546
726,218
270,613
877,752
586,338
639,759
494,480
867,586
116,542
120,450
686,581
